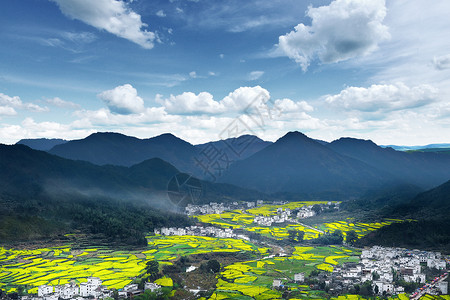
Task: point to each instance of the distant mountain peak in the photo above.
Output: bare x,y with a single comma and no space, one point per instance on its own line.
295,137
354,141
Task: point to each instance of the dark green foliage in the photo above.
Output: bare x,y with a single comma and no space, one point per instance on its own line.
296,236
375,276
423,234
351,237
42,195
317,209
366,289
335,238
430,231
152,269
213,265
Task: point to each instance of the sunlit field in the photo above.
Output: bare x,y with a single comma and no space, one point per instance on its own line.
58,266
254,278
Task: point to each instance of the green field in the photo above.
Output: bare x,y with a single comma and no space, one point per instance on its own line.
60,265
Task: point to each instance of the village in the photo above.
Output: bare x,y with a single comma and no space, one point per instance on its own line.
380,266
383,268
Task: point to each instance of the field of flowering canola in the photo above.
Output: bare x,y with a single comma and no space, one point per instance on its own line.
60,265
253,279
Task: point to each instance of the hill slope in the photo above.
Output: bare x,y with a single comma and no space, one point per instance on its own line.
298,164
121,150
430,228
43,194
425,170
41,144
237,148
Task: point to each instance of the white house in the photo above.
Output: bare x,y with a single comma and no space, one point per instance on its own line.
276,283
299,277
44,290
151,286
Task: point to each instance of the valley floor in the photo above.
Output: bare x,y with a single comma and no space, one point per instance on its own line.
279,257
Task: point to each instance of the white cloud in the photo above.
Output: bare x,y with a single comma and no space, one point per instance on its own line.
287,105
113,16
9,104
255,75
383,98
7,111
340,31
193,74
123,100
190,103
160,13
58,102
442,62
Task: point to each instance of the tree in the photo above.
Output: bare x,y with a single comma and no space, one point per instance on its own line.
317,208
376,289
213,266
351,237
296,235
152,268
375,275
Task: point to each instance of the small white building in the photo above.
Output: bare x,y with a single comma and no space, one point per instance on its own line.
44,290
276,283
151,286
51,297
131,287
299,277
443,286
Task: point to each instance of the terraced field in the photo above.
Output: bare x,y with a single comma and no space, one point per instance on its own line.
254,278
244,219
60,265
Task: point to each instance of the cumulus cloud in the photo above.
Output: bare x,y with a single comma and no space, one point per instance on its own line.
113,16
123,100
9,104
383,98
255,75
287,105
193,74
190,103
340,31
442,62
160,13
58,102
7,111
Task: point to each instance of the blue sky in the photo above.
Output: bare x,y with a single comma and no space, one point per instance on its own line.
373,69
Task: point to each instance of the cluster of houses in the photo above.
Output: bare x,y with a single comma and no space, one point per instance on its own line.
93,288
201,231
381,264
283,215
218,208
287,215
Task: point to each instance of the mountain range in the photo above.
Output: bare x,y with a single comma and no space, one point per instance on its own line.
41,194
294,164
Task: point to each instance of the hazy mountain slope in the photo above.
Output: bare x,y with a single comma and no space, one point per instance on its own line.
237,148
42,194
429,229
296,163
122,150
41,144
422,169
